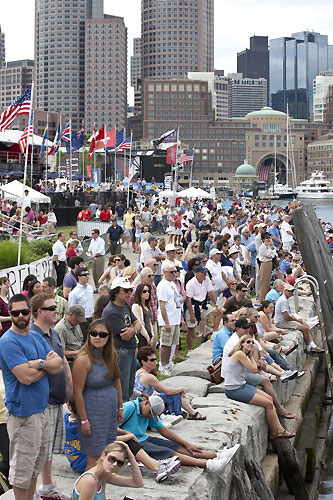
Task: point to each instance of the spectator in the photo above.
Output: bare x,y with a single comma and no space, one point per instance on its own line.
104,290
223,335
214,266
71,250
69,331
128,226
44,311
267,253
25,359
204,231
72,237
125,327
59,257
191,266
289,277
100,305
70,280
275,293
130,273
105,214
96,250
120,263
107,272
237,301
48,287
287,235
140,309
97,391
51,219
113,236
83,295
147,278
4,314
34,288
153,252
192,251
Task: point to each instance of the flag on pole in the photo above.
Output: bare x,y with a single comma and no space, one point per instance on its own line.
20,107
126,144
167,137
77,142
66,135
81,131
171,157
263,172
92,145
95,138
28,131
189,156
120,136
45,134
56,142
109,140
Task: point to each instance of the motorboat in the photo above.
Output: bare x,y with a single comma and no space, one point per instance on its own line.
282,191
316,188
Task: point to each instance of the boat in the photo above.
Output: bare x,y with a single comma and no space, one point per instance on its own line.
282,191
315,188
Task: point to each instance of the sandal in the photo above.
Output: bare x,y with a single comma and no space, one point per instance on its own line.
283,435
288,416
291,349
197,416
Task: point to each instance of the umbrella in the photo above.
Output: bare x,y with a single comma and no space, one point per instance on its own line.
151,191
80,177
15,173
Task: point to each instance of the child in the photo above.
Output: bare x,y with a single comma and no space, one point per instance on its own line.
72,448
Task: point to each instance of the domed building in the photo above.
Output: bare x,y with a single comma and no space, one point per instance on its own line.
244,176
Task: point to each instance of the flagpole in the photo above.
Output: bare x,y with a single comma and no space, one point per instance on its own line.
115,156
191,173
176,172
70,155
125,149
32,152
46,151
25,177
129,170
105,153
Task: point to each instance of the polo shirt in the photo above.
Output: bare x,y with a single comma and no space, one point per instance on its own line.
115,232
284,264
97,246
216,272
274,231
281,306
59,249
120,317
135,423
84,296
198,291
232,304
220,339
70,336
70,280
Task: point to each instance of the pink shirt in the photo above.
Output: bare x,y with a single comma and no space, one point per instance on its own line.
198,291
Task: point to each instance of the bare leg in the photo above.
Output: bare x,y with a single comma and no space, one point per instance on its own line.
216,321
262,399
21,494
190,338
165,352
267,386
91,462
274,371
271,336
196,460
149,462
47,472
187,407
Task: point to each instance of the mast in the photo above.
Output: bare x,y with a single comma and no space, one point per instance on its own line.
274,165
105,153
287,166
70,155
176,172
129,170
46,149
32,151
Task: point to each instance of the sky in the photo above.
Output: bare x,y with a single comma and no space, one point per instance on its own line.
235,23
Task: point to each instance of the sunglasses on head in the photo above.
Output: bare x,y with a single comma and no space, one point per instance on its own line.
114,460
101,335
50,308
17,312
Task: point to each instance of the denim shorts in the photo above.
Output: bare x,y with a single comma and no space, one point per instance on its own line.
244,394
159,448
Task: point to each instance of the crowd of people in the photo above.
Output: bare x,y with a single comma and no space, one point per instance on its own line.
195,268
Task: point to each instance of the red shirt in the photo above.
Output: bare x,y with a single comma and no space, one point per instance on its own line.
42,219
105,215
70,252
84,215
291,280
178,221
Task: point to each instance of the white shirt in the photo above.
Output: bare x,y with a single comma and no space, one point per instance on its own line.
229,230
84,296
198,291
189,214
167,292
216,272
51,217
97,246
285,226
58,248
149,253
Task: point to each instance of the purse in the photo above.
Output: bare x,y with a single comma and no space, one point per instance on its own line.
214,370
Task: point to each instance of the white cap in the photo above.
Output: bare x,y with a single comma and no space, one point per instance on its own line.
214,251
169,247
122,282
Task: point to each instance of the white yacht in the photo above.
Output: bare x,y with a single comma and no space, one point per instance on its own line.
316,188
282,191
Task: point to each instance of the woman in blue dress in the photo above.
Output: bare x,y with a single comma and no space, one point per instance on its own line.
97,391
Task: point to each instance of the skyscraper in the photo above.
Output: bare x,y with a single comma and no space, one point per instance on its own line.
60,53
2,49
245,95
105,73
294,62
254,62
177,37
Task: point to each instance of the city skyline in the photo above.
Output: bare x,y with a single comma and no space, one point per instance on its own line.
230,38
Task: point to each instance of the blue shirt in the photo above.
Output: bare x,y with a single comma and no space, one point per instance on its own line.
134,422
70,280
274,231
23,400
273,295
284,264
220,341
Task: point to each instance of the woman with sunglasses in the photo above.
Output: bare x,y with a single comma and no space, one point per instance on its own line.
267,252
34,288
191,251
107,273
240,362
140,309
91,484
97,391
120,261
191,265
5,320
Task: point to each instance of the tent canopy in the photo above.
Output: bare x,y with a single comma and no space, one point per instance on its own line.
193,192
14,190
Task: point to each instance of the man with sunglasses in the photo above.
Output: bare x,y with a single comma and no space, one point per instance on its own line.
44,311
83,295
153,252
232,304
25,359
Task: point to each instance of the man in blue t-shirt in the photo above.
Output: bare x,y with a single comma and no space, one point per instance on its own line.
25,359
140,414
222,336
275,233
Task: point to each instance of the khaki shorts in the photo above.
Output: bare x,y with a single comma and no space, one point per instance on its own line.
28,440
204,313
170,338
56,439
290,325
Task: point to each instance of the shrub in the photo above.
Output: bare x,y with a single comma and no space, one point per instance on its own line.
41,247
30,252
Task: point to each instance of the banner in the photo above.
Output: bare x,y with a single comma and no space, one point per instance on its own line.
168,178
40,268
88,167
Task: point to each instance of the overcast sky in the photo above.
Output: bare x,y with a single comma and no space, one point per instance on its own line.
235,22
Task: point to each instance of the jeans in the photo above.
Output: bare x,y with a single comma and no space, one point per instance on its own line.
4,450
278,359
127,364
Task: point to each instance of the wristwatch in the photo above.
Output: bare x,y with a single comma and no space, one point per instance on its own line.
41,364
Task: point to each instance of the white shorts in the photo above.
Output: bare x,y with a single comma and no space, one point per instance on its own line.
204,313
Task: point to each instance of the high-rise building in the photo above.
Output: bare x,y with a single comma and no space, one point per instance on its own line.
218,87
15,78
2,49
136,75
320,92
105,73
245,95
328,114
177,37
294,62
254,62
60,55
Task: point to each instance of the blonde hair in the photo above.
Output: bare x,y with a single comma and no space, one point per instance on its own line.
238,346
241,312
128,272
230,280
113,447
189,254
161,244
145,237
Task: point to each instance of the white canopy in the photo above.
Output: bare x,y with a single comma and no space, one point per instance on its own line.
193,192
166,194
13,136
14,190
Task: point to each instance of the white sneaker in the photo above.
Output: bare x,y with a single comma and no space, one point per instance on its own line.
37,496
167,467
52,493
165,370
227,452
216,465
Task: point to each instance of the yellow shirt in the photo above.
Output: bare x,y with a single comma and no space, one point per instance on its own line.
128,220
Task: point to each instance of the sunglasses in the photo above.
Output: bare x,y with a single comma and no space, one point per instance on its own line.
101,335
117,260
149,276
114,460
83,274
171,272
17,312
249,342
145,291
256,316
152,359
244,291
50,308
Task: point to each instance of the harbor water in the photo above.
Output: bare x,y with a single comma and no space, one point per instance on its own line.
326,485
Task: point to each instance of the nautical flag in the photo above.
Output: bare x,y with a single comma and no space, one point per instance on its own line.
119,139
20,107
92,145
45,134
170,136
186,157
77,142
66,135
29,129
56,142
126,144
108,142
171,157
263,172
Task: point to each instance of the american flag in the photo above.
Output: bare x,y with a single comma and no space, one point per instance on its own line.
66,135
126,144
20,107
24,137
186,157
263,172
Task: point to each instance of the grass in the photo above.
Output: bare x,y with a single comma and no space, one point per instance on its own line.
66,230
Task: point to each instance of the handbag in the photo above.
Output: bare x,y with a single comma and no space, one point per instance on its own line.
214,370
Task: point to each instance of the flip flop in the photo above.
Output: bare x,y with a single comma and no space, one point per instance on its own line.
291,349
289,416
197,416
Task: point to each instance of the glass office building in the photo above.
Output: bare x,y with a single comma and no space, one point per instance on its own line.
294,62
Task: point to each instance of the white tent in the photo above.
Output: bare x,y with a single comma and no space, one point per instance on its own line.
193,192
166,194
13,136
14,191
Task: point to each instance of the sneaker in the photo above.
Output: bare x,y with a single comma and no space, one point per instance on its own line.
300,374
164,370
227,452
52,493
167,467
216,465
288,375
37,496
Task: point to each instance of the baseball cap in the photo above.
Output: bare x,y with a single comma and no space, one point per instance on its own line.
170,247
122,282
152,238
78,311
201,269
242,323
214,251
156,405
288,287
